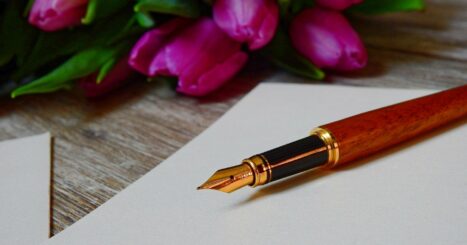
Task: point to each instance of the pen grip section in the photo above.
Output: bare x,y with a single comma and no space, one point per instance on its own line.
367,133
296,157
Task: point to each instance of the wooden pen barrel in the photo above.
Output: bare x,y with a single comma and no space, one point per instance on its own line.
369,132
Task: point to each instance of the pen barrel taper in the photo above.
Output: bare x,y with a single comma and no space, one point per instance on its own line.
369,132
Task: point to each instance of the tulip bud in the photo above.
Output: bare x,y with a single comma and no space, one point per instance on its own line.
116,78
53,15
251,21
326,38
337,4
201,55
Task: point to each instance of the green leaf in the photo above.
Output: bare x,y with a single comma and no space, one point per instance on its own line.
100,9
185,8
91,12
57,45
144,19
385,6
129,30
28,8
80,65
17,36
282,54
106,68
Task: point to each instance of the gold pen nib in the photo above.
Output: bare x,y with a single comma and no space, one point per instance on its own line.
229,179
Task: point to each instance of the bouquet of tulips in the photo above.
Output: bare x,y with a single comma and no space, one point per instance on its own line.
48,45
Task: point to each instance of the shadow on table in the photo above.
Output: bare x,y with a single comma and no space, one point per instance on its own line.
59,103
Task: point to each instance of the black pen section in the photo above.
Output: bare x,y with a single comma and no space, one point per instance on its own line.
301,155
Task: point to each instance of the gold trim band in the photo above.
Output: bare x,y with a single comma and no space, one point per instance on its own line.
261,169
331,145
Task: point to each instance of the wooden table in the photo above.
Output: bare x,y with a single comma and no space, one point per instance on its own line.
102,146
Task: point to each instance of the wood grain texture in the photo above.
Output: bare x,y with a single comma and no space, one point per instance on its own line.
367,133
101,146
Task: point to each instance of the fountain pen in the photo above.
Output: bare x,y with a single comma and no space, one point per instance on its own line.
343,141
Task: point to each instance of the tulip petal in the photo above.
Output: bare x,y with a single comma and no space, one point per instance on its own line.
193,50
53,15
267,28
151,42
196,51
191,53
251,21
328,40
214,78
325,48
159,65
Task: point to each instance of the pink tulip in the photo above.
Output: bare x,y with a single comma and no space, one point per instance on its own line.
326,38
251,21
149,44
53,15
337,4
201,55
116,78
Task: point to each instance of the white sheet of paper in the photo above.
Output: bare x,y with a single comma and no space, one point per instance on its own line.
415,195
24,190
